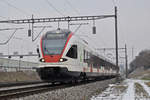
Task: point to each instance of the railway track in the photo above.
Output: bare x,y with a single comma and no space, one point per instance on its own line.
26,91
8,94
11,84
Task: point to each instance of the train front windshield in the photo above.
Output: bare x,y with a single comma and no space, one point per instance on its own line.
53,44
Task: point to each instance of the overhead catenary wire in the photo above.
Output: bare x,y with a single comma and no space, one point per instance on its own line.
3,17
113,1
6,19
76,11
92,41
79,14
51,5
4,29
68,2
18,9
9,38
39,34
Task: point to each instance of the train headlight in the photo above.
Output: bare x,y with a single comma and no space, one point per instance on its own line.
62,59
42,60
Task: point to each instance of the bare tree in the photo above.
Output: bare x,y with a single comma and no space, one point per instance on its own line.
142,60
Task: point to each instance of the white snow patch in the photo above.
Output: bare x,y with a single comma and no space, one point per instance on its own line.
146,88
109,94
129,94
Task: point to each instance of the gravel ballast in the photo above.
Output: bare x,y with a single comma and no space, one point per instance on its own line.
82,92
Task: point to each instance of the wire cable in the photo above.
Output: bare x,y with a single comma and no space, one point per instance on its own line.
50,4
72,7
3,17
39,34
9,38
18,9
114,4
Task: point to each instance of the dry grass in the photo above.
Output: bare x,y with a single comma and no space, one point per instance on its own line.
18,76
140,92
140,73
121,88
146,77
148,84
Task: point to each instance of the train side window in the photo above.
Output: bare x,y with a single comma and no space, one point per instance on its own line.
88,55
85,56
72,53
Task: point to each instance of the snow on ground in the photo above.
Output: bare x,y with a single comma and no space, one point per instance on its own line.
125,91
129,94
147,89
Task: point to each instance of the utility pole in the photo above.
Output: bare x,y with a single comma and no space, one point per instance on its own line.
116,38
32,27
126,59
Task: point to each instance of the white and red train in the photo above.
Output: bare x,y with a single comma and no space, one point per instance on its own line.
65,56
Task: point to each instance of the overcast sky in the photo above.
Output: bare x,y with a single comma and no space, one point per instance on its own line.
133,22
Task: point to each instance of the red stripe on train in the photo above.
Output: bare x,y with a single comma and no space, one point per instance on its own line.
41,47
55,58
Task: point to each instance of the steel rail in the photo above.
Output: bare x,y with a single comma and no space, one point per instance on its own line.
21,83
26,91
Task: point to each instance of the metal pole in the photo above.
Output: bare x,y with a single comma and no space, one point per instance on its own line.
32,28
19,62
116,38
58,26
68,25
126,56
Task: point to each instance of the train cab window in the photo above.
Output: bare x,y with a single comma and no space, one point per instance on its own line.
72,53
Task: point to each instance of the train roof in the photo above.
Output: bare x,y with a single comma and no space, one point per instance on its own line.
58,31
